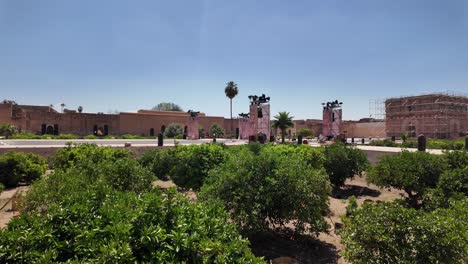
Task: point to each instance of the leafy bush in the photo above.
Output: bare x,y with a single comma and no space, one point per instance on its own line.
266,190
412,172
16,167
391,233
7,130
25,136
106,226
66,136
217,130
128,136
456,159
304,132
174,130
158,161
126,175
192,164
383,143
452,185
343,162
409,144
2,187
75,153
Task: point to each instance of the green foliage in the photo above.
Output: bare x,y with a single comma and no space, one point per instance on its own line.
343,162
106,226
16,167
174,130
391,233
231,90
128,136
452,185
217,130
167,107
383,143
75,154
264,190
7,130
159,161
192,164
456,159
126,175
26,136
304,132
283,121
90,137
413,172
2,187
66,136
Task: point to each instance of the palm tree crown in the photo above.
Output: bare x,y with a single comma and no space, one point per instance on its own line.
283,121
231,90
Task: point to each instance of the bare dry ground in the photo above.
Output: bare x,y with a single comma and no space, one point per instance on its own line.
324,249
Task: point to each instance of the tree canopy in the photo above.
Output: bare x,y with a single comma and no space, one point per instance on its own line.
165,106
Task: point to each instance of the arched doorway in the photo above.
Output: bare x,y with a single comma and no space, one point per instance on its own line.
50,130
163,129
151,133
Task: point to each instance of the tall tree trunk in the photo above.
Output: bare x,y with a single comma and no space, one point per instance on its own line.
283,132
231,117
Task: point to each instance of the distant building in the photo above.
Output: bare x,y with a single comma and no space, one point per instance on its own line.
434,115
45,120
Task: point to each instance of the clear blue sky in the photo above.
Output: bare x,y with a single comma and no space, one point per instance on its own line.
129,55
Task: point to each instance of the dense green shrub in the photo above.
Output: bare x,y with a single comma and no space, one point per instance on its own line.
126,175
266,190
192,163
8,130
343,162
383,143
217,130
412,172
452,185
304,132
75,153
16,167
67,136
159,161
409,144
173,130
2,187
456,159
128,136
90,137
391,233
313,156
106,226
24,135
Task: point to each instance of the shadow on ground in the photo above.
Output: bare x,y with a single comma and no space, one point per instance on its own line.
304,249
354,190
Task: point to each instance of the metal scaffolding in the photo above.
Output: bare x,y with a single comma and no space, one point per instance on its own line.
436,115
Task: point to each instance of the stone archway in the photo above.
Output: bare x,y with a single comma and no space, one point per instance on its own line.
50,130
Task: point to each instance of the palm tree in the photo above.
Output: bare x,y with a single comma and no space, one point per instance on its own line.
231,91
63,106
80,109
283,121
